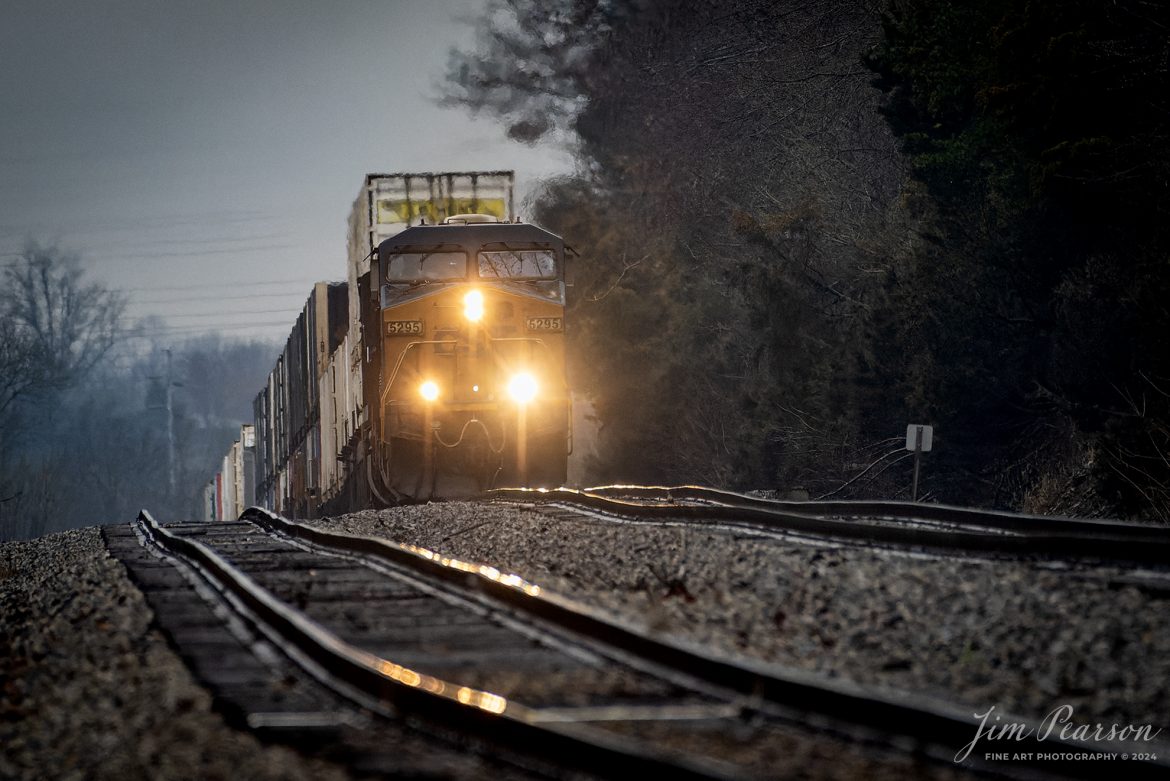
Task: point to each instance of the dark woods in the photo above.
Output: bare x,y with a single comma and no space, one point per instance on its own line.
804,226
1041,138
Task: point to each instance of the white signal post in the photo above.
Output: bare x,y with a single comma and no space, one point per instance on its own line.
920,439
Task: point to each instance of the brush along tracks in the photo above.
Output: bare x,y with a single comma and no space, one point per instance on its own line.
465,649
935,528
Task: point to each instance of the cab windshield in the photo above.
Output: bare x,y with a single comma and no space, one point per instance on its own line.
426,266
518,264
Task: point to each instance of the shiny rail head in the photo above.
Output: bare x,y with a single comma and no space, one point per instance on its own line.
302,632
508,580
603,751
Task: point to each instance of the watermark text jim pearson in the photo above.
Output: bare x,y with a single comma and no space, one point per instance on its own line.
1057,723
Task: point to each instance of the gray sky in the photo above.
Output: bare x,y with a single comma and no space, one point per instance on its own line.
197,152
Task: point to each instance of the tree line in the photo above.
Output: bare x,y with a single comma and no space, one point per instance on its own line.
83,403
804,226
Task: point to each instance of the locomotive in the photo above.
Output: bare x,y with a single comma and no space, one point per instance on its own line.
472,388
436,371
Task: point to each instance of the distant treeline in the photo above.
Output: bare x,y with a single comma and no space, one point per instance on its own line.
803,226
84,408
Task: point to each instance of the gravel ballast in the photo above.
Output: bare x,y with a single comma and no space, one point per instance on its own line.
90,690
1015,635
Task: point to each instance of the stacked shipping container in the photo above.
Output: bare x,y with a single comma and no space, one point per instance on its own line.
309,417
233,487
288,410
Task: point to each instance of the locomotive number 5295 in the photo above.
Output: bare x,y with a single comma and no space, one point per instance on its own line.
553,324
404,328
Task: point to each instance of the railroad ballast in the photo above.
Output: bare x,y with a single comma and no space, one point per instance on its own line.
436,370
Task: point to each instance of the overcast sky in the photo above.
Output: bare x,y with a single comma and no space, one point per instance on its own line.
196,152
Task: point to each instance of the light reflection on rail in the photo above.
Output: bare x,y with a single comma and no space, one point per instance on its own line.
491,573
493,703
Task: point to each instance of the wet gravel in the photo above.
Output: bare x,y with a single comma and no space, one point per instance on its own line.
88,690
1015,635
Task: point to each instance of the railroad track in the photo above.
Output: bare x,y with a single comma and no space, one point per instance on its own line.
937,528
351,627
463,648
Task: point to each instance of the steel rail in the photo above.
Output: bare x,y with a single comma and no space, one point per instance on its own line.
481,713
891,523
883,508
934,728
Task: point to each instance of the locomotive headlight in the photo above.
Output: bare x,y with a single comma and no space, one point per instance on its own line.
473,306
429,390
522,388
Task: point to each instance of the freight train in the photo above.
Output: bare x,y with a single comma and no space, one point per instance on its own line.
436,370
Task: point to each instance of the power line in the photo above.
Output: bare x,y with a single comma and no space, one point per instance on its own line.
228,313
115,256
153,222
232,285
221,286
202,240
148,330
215,298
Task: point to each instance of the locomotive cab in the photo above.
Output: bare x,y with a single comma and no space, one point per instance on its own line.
472,390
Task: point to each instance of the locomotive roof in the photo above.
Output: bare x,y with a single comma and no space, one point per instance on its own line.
473,235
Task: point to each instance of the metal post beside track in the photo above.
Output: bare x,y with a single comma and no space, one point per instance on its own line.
919,439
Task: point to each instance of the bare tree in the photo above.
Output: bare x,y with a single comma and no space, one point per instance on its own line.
54,327
20,371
